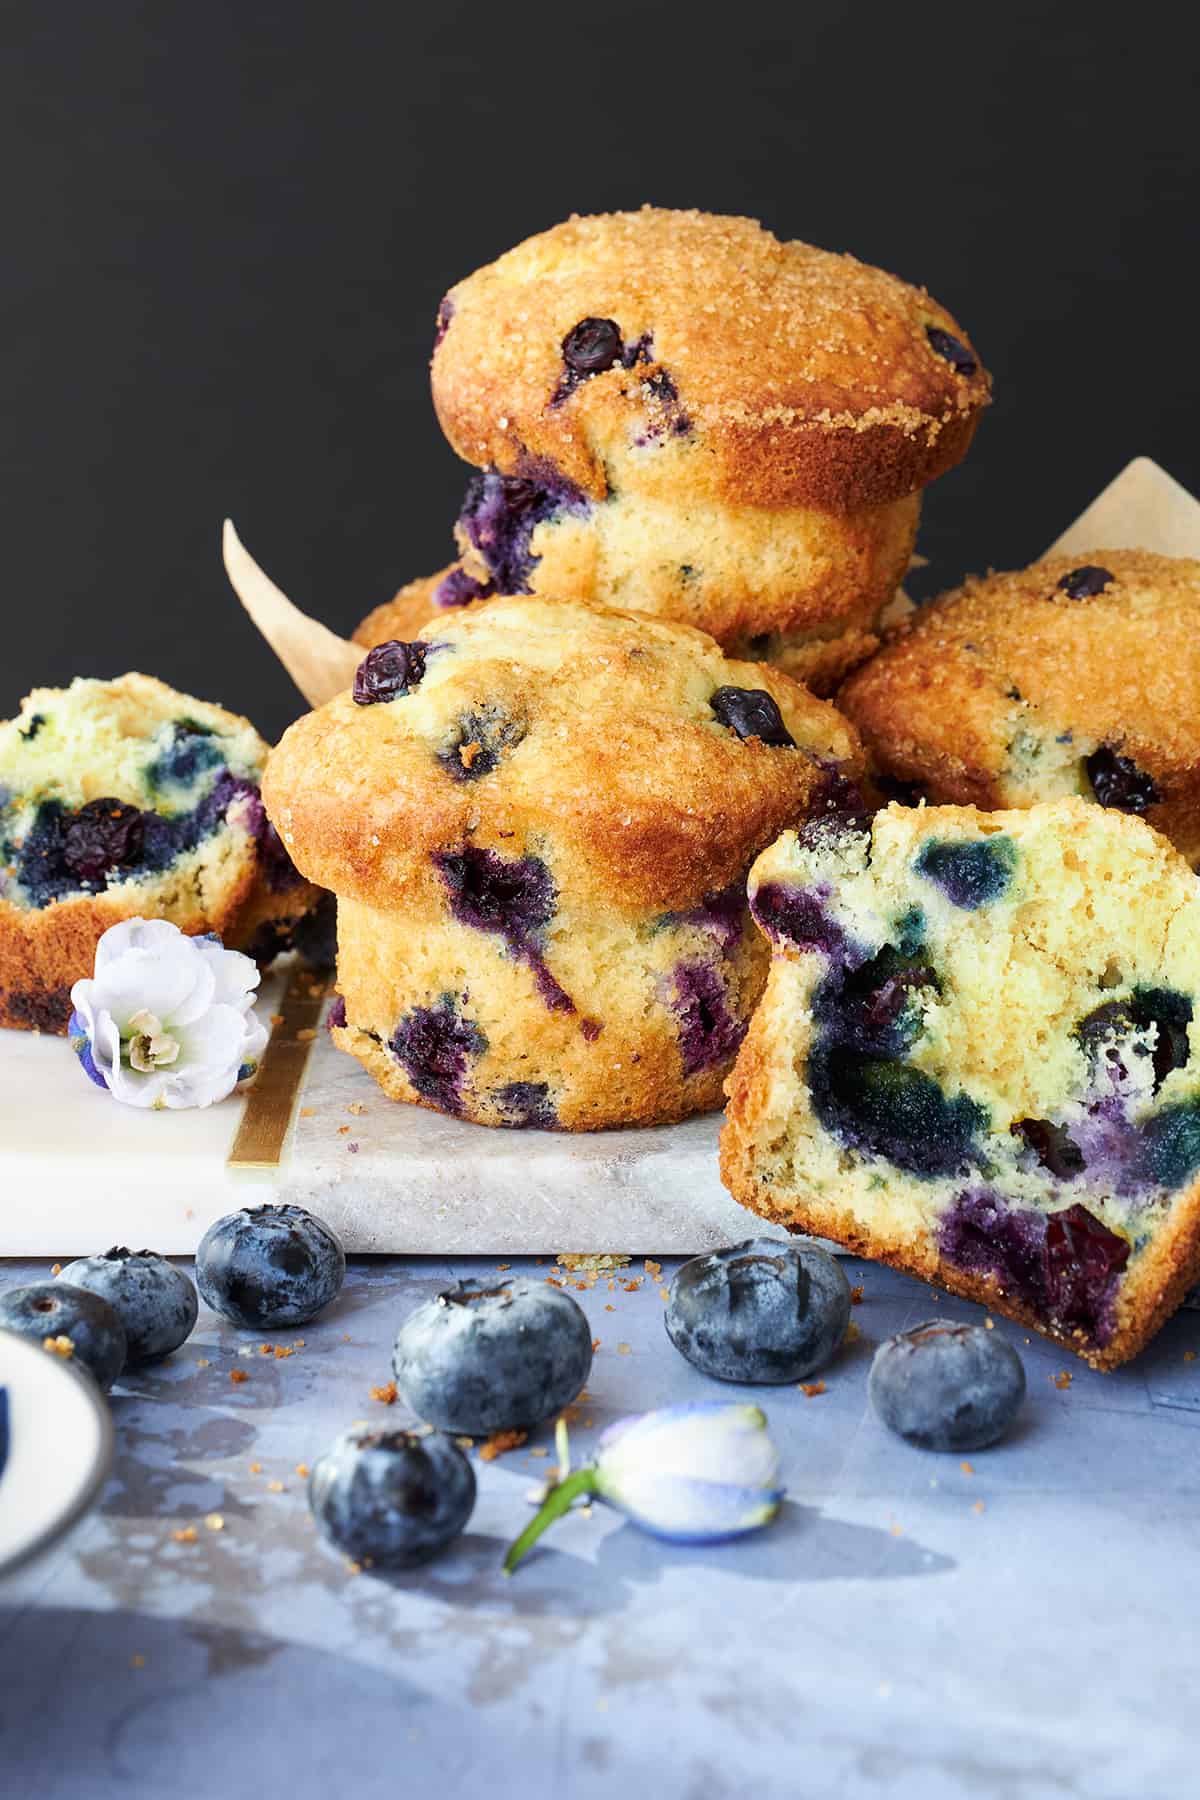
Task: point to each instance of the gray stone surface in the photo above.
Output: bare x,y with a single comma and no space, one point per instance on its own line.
882,1638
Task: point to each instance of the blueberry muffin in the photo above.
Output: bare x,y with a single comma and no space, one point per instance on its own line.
678,413
1079,675
537,818
124,799
978,1059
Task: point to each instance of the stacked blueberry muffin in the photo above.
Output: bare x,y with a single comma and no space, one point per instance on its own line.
537,819
676,412
977,1059
124,799
1078,675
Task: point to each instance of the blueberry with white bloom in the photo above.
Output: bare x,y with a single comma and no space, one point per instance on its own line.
391,1499
690,1474
166,1020
269,1265
945,1386
154,1300
759,1312
480,1359
70,1322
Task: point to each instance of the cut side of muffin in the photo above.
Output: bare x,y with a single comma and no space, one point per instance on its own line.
978,1059
1079,675
537,818
123,799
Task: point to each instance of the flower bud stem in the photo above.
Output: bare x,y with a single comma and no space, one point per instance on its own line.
558,1501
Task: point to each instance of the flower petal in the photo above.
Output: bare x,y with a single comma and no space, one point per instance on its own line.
706,1441
235,977
690,1511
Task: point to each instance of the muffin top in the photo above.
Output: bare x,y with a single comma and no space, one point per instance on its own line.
685,351
627,755
1078,674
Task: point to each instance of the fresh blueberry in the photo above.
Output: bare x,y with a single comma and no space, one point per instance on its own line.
1118,782
391,1499
269,1265
951,350
482,1359
592,346
752,713
155,1301
52,1309
971,874
759,1311
1085,582
947,1387
388,671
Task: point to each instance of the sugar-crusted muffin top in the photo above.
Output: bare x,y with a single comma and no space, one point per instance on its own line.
647,767
1103,646
665,348
169,763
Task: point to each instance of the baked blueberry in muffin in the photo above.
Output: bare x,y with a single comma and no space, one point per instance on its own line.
123,799
538,839
978,1059
1079,675
677,412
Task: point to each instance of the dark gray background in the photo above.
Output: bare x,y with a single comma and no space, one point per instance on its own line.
228,225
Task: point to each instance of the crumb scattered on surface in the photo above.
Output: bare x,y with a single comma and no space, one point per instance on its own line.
385,1393
306,1034
137,1662
1063,1379
465,1443
663,1295
237,1376
357,1108
1189,1356
856,1295
989,1324
187,1534
500,1267
653,1269
56,1268
609,1307
265,1349
308,1112
897,1531
59,1346
342,1130
202,1362
810,1389
595,1345
852,1333
276,1018
591,1259
631,1287
539,1450
979,1507
256,1468
499,1442
624,1349
283,1351
967,1468
302,1470
274,1487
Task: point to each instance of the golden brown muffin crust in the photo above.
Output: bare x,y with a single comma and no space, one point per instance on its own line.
648,796
941,703
804,377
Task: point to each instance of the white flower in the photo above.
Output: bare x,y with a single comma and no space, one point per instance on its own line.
166,1020
693,1474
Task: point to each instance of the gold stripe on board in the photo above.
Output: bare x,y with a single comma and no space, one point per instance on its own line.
271,1097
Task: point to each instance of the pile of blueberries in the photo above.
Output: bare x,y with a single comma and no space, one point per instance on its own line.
506,1356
